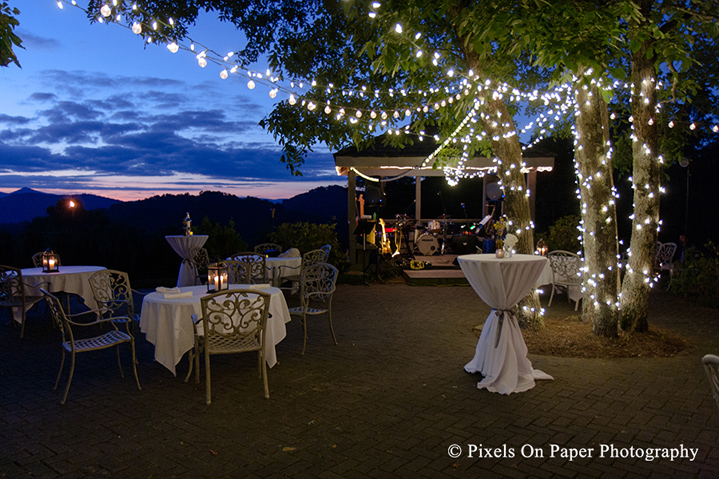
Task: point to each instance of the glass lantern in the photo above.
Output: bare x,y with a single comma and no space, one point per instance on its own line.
542,248
217,277
50,262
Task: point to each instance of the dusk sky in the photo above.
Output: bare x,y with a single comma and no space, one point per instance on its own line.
93,111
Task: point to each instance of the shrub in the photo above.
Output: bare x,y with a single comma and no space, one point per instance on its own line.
223,241
698,277
308,236
563,234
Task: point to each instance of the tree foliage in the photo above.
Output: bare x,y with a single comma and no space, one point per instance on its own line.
8,40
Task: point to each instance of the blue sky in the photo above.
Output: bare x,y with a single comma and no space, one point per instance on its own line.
94,111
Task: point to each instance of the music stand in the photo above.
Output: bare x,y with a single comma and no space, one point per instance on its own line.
363,228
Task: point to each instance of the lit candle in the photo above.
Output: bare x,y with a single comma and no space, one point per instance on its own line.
217,283
51,264
499,253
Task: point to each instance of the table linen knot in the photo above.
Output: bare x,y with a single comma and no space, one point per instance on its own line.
500,320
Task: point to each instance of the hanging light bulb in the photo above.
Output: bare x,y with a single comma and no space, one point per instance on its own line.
358,114
106,11
173,47
136,28
202,62
292,99
224,74
328,110
251,84
273,93
372,114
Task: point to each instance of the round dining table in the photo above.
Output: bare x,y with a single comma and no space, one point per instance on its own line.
183,246
501,354
68,279
166,320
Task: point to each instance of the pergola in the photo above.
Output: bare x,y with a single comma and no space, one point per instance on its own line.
383,162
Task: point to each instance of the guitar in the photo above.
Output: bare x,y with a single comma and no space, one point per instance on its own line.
385,247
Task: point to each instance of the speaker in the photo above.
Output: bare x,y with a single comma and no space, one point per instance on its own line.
372,196
464,244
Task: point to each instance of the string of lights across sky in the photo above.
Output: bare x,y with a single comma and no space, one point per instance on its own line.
561,101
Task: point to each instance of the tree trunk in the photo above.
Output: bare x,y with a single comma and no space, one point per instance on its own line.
646,183
506,147
599,226
516,202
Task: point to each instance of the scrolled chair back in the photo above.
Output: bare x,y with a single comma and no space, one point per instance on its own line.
565,265
318,281
113,292
235,315
58,315
255,263
11,284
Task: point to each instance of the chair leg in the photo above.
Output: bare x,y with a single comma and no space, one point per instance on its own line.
134,365
264,375
62,363
207,377
69,379
22,325
329,314
197,363
551,296
576,305
119,363
259,363
191,358
304,324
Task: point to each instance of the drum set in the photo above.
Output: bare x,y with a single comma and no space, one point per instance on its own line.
413,238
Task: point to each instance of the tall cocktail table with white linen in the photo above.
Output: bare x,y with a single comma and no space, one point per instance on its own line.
166,320
183,246
69,279
501,354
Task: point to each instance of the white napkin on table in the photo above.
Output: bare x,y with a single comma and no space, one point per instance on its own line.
162,289
291,253
186,294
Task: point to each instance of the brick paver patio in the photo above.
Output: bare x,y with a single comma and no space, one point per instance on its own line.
388,401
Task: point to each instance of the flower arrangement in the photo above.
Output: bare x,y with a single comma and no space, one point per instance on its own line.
500,230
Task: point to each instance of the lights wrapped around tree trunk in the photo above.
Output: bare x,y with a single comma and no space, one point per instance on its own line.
50,262
217,277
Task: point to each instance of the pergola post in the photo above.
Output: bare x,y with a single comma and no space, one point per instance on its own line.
352,214
418,197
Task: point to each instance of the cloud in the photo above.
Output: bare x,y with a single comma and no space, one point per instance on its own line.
14,120
96,126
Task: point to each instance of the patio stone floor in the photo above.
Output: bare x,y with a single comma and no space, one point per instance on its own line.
388,401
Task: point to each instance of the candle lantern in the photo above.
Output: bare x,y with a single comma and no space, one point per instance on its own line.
217,277
50,262
542,248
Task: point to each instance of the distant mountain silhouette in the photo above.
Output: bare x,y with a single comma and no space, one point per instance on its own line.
26,204
252,216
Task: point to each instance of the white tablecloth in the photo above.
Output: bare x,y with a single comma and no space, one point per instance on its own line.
183,246
70,279
278,268
501,354
167,323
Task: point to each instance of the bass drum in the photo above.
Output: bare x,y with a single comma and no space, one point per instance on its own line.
427,244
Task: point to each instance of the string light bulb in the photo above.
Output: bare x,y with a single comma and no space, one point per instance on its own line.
136,28
173,47
106,11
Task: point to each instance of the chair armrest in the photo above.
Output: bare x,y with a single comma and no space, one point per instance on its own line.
111,320
36,284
